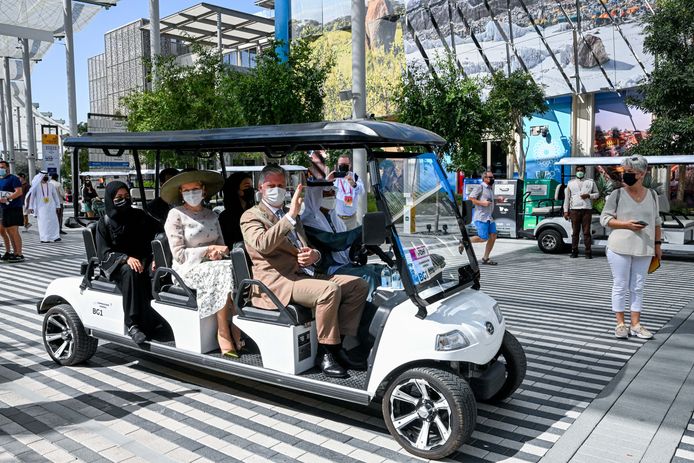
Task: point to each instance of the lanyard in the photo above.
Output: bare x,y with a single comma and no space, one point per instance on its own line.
342,186
45,193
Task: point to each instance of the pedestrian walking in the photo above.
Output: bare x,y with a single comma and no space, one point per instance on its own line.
25,191
44,203
88,194
578,207
349,189
12,203
482,196
633,214
61,194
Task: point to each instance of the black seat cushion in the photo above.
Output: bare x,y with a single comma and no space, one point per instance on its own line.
295,315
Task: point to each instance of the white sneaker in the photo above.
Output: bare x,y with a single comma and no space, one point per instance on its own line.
640,332
621,331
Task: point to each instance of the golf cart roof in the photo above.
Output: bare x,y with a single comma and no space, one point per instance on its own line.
617,160
274,140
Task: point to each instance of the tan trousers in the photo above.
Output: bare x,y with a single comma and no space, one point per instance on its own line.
338,301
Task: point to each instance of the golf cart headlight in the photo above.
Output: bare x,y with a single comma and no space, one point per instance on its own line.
452,340
497,312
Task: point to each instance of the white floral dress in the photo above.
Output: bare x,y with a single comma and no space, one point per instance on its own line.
189,234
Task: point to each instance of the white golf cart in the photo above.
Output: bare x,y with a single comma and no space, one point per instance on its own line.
434,347
553,233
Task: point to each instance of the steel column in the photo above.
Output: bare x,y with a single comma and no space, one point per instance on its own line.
8,115
154,38
219,34
283,16
3,122
359,91
70,68
28,104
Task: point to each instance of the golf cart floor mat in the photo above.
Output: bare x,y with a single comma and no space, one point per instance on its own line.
356,379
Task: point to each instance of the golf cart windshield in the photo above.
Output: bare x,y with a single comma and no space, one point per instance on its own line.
427,230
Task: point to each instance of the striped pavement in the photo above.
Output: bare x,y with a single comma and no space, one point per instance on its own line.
685,451
127,406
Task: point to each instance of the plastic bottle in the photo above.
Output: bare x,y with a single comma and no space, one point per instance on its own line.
396,282
385,277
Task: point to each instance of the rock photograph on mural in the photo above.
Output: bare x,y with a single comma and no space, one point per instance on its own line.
606,26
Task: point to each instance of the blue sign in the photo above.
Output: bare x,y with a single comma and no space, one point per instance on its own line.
117,164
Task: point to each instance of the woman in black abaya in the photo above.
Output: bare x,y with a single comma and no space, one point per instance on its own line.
123,243
239,196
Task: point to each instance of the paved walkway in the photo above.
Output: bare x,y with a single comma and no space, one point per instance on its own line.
643,413
127,406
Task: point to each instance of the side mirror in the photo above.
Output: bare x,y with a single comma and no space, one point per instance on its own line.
466,211
374,231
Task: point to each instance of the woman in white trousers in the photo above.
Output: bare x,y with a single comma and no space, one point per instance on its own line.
633,215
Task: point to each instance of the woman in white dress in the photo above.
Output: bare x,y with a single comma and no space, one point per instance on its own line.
197,247
44,203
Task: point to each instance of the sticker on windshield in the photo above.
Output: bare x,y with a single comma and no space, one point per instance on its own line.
419,264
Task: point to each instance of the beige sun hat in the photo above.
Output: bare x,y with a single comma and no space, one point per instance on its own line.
212,180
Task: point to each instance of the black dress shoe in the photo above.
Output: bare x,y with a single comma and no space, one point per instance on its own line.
138,336
343,359
330,367
574,255
589,256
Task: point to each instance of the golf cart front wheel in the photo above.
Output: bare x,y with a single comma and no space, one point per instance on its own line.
65,338
513,358
549,241
430,412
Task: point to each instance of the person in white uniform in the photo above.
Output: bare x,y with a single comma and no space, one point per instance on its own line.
349,188
44,203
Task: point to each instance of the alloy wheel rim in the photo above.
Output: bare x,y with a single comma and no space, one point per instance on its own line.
549,242
420,414
58,336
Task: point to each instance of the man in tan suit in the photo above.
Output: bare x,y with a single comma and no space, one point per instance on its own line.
283,261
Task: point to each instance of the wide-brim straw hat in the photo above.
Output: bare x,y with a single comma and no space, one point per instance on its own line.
213,182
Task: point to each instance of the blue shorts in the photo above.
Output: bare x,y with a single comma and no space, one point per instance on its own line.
485,228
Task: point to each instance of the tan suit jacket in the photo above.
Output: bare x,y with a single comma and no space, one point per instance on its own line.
273,255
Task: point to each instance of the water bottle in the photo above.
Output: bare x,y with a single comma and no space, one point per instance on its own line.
385,277
396,282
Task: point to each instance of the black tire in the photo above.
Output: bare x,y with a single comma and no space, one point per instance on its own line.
64,336
513,356
404,399
549,241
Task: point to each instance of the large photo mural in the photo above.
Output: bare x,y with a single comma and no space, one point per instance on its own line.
609,40
328,26
617,126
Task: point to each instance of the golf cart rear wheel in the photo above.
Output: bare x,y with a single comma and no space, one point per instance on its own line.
65,338
513,357
430,412
550,242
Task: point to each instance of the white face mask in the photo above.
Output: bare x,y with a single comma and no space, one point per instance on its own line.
275,196
193,197
328,202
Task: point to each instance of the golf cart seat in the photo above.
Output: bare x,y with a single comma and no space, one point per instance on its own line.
671,220
91,269
288,315
167,286
550,207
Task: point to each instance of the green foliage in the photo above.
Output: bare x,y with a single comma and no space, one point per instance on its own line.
669,92
210,94
284,92
66,162
511,99
449,104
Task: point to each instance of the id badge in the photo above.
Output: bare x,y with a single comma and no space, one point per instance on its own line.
348,201
45,200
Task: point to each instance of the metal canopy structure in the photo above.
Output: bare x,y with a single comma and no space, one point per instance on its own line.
218,26
271,139
617,160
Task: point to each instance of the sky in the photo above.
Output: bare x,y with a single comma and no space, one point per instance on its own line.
49,77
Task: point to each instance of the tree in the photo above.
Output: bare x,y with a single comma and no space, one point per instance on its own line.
66,164
210,94
511,99
447,103
669,91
